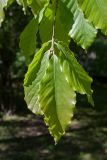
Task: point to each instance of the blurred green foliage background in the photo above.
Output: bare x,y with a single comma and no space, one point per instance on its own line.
24,137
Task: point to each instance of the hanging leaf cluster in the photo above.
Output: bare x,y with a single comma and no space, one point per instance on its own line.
54,76
50,85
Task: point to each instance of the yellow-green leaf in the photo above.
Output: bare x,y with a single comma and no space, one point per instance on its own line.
96,12
76,75
57,99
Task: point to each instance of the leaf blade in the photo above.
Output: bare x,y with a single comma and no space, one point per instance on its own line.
57,99
82,31
28,39
47,23
33,68
31,91
96,12
77,76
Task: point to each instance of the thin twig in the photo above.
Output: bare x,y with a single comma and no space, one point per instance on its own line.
54,24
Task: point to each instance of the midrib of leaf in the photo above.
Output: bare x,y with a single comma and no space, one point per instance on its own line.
55,89
54,93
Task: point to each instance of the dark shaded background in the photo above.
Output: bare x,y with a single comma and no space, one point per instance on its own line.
23,136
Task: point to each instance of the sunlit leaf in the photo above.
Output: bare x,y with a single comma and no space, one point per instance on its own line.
1,13
76,75
96,12
47,23
57,99
35,65
82,31
36,71
31,92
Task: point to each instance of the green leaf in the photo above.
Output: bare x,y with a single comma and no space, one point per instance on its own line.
34,75
46,26
4,3
41,13
47,23
9,2
31,91
66,17
35,65
1,13
57,99
37,5
28,39
82,31
76,75
50,85
96,12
